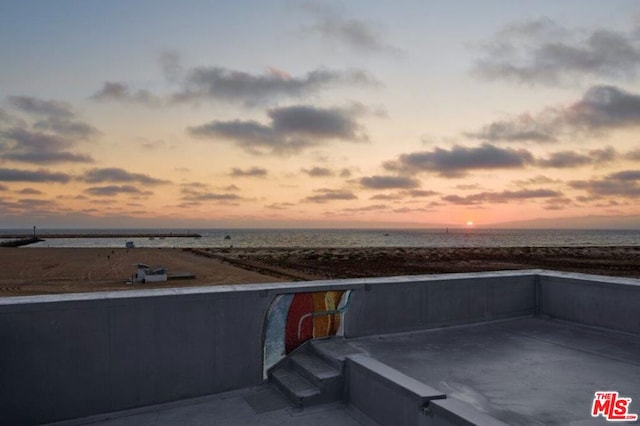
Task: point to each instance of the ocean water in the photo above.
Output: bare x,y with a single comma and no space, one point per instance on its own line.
458,237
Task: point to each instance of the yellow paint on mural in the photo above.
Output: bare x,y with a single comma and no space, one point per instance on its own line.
326,325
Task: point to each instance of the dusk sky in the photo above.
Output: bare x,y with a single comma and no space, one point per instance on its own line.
319,113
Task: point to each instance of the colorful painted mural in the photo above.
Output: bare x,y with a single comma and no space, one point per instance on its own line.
292,319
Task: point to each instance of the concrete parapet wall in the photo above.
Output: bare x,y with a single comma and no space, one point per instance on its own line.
74,359
608,302
438,301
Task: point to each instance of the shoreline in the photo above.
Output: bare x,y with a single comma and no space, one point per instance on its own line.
74,270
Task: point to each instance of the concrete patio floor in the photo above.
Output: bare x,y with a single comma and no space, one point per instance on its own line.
261,405
527,371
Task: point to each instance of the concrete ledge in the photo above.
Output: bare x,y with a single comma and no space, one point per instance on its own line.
266,289
450,412
385,394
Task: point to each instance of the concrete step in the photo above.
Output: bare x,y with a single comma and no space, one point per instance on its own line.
334,351
314,368
298,389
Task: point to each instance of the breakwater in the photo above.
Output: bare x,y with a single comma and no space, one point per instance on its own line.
108,235
20,242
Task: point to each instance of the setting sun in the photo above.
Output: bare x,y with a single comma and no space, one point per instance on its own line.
469,223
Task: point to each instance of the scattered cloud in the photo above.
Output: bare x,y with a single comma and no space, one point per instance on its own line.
604,107
501,197
29,205
47,108
388,182
280,206
469,187
572,159
558,203
47,157
211,196
118,91
41,175
195,193
457,161
633,155
29,191
153,144
218,83
536,180
118,175
27,146
403,210
520,129
323,195
227,85
6,118
55,116
74,130
386,197
113,190
194,186
346,173
359,35
171,63
318,172
371,208
251,172
625,183
410,193
541,51
49,135
291,129
601,109
417,193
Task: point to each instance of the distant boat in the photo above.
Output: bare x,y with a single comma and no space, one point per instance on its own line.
228,237
385,234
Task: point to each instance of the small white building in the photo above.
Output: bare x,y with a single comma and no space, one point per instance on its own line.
144,274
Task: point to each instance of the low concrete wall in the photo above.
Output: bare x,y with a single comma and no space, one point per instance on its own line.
440,300
452,412
608,302
386,395
73,359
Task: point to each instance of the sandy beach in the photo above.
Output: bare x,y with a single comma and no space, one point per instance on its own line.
34,271
27,271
